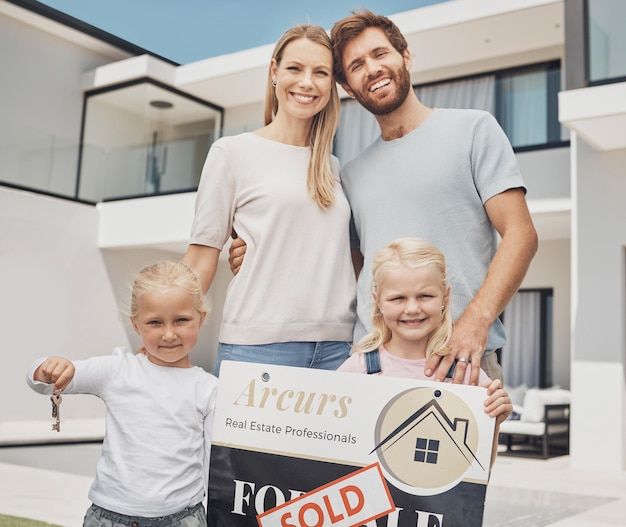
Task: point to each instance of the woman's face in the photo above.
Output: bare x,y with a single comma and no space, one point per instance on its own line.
303,79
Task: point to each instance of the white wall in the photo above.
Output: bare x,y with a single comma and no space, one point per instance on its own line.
62,295
546,173
56,295
599,309
57,298
600,229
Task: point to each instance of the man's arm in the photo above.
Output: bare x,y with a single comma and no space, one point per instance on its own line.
357,261
236,253
203,261
509,215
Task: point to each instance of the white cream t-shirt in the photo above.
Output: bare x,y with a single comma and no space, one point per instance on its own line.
296,282
159,423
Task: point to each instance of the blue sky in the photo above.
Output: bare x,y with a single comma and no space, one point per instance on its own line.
190,30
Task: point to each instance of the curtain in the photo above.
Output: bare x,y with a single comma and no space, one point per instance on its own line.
477,93
521,354
524,108
357,129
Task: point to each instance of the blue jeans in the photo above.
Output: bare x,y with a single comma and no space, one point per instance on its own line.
320,355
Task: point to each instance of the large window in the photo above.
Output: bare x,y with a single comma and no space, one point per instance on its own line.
527,106
606,40
527,356
523,100
143,139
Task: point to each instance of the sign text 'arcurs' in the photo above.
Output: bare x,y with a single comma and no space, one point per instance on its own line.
296,401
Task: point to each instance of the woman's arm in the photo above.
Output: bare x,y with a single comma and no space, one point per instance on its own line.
203,261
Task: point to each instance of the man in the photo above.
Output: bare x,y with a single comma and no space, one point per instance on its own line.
448,176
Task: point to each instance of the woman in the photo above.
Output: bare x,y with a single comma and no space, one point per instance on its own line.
278,188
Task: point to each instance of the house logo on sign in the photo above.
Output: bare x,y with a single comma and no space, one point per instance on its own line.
426,439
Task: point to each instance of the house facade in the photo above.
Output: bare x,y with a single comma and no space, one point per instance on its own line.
102,143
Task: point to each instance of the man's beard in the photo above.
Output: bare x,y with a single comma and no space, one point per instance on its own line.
403,85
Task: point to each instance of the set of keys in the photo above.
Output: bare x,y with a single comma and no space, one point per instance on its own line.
56,414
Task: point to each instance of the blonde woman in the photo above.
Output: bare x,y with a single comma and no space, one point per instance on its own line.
292,301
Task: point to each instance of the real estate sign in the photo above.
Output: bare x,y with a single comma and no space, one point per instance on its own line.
295,447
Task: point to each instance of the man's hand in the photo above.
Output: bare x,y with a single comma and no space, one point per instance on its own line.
509,215
236,253
467,345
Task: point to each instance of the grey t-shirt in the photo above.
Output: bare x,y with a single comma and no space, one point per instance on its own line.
432,184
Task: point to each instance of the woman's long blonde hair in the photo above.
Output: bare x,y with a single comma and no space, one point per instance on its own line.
320,179
414,253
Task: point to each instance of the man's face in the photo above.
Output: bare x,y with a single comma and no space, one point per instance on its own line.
377,74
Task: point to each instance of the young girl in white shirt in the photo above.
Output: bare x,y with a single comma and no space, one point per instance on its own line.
159,421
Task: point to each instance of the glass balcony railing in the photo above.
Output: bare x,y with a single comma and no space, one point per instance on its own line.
37,160
143,139
140,139
606,42
160,167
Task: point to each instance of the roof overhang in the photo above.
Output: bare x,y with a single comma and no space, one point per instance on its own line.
596,114
66,27
552,218
451,39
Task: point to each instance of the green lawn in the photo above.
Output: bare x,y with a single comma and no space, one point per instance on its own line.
13,521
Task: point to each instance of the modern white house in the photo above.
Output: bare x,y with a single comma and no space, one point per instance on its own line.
102,144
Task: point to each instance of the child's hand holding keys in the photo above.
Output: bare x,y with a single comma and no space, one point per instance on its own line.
57,370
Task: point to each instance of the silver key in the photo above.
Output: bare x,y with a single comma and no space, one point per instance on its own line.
56,413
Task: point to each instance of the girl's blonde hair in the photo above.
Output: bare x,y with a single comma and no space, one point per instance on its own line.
320,179
414,253
164,275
